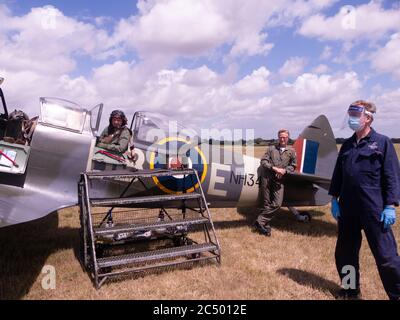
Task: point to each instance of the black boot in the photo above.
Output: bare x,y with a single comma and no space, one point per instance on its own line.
264,230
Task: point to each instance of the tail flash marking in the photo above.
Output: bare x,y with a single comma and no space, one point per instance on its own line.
307,154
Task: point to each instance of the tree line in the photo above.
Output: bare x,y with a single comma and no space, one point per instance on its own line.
266,142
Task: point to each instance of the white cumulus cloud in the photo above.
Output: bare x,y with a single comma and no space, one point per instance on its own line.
42,58
293,67
321,68
387,59
45,41
368,21
174,27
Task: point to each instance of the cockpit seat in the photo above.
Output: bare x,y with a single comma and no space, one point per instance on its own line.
19,128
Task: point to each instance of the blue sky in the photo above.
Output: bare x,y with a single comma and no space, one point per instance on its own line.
79,8
208,64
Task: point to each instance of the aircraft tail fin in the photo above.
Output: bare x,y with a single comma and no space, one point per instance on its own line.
316,149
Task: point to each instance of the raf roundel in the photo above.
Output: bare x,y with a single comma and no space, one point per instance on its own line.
192,158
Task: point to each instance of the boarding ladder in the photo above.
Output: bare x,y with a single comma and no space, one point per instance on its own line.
138,229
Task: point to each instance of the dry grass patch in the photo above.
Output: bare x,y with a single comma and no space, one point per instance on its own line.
297,262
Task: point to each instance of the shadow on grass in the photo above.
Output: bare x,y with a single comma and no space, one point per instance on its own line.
284,220
221,225
24,249
184,266
309,279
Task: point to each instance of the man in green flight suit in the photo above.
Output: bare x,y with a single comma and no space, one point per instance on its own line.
276,162
116,136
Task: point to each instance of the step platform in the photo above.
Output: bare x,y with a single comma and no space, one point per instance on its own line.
112,243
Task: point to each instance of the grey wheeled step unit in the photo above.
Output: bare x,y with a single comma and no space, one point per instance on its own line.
127,235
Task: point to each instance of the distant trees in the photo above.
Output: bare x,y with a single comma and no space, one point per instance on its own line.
267,142
341,140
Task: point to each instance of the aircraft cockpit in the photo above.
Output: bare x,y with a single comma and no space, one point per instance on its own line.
151,129
167,143
15,135
17,131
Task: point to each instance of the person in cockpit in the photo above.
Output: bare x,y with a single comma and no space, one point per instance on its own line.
116,136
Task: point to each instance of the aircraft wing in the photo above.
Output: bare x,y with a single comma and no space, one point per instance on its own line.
303,177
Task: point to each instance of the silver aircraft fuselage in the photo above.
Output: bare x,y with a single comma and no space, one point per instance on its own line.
58,156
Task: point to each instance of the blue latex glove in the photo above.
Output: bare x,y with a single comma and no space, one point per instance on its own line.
335,210
388,217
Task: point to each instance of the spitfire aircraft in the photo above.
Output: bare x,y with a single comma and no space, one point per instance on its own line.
39,175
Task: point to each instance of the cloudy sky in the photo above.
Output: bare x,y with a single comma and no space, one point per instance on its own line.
244,64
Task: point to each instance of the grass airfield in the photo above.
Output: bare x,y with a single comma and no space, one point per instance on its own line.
296,263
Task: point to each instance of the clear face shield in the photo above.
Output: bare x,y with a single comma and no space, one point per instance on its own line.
356,117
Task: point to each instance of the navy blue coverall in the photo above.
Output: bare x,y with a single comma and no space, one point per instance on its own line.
366,178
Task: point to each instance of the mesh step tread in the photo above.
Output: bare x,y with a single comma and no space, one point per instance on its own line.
155,255
149,226
146,199
120,174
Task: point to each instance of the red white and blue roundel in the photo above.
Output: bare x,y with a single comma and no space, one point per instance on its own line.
194,159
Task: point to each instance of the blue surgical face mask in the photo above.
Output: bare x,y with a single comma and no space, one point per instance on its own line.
355,123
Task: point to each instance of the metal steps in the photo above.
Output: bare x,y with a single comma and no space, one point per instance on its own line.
147,199
108,243
155,255
148,226
124,174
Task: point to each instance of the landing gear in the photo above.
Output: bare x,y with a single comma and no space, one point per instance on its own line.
185,241
303,216
182,240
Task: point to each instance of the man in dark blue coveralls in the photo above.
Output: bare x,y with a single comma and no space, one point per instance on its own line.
365,189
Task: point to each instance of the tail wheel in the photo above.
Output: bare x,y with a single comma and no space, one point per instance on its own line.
304,217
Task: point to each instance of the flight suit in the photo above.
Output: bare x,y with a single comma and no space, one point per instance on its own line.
272,188
366,179
119,142
117,147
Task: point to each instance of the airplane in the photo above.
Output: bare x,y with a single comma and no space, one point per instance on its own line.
41,175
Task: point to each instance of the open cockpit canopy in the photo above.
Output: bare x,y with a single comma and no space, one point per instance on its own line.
67,115
151,129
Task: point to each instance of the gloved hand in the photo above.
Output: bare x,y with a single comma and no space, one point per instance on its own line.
335,210
388,216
